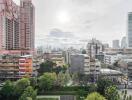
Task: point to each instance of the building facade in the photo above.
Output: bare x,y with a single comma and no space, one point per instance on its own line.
94,47
123,42
27,24
9,25
17,25
15,67
116,44
129,30
77,64
25,66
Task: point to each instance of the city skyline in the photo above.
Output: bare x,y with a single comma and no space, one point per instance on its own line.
105,20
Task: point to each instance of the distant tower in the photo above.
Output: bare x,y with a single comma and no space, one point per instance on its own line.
27,25
116,44
123,42
129,34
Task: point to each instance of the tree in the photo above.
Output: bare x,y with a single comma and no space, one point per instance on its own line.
102,84
29,94
60,79
21,85
81,93
57,69
60,69
111,93
75,77
46,67
7,91
67,78
33,82
47,81
92,88
95,96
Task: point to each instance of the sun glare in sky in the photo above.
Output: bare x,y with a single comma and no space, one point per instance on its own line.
63,17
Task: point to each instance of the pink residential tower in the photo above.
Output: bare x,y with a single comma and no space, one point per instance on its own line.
17,25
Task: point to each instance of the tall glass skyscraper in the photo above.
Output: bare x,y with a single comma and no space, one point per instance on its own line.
129,34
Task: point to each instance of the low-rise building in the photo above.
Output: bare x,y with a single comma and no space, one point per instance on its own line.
13,67
110,58
59,61
25,65
112,55
9,68
55,57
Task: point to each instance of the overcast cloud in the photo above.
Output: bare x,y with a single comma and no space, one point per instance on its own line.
102,19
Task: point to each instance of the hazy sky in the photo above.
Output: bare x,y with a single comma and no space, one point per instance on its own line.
81,19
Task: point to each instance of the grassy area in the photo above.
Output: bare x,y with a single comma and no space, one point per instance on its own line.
47,97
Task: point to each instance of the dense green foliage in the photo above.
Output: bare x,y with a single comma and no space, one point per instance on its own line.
46,67
102,84
28,94
7,91
49,66
33,82
46,81
13,90
25,89
21,85
111,93
95,96
54,81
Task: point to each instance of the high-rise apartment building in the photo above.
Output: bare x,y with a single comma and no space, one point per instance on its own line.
129,31
27,24
17,25
9,25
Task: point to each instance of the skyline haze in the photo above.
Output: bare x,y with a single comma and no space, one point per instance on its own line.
105,20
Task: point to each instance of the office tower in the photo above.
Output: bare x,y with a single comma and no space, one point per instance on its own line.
9,25
129,34
123,42
27,24
116,44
